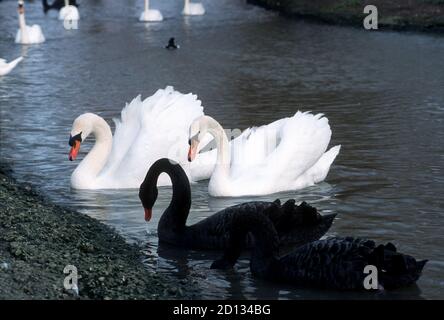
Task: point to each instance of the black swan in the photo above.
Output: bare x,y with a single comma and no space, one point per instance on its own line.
296,225
335,263
57,4
171,44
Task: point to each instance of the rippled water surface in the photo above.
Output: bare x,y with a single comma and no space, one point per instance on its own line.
382,92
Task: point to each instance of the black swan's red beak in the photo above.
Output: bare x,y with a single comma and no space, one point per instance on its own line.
148,214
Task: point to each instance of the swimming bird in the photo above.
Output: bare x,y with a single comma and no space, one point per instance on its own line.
148,14
296,225
193,9
6,67
154,128
171,44
69,12
27,34
336,263
288,154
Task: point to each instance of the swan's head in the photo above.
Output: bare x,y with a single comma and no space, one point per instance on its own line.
148,195
198,130
21,7
81,128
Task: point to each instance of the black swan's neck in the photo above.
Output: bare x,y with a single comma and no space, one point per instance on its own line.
266,242
175,216
46,5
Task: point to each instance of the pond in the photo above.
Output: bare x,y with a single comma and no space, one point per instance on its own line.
383,93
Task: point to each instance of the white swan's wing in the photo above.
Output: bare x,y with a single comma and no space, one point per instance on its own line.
254,145
279,155
127,129
159,128
35,34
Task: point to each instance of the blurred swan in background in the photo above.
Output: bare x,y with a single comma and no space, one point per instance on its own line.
69,12
27,34
150,14
6,67
193,9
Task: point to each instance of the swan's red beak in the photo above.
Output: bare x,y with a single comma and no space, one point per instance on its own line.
74,150
148,214
193,150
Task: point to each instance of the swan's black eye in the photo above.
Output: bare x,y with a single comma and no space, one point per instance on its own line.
77,137
189,142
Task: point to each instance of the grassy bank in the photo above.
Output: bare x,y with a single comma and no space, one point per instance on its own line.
38,239
420,15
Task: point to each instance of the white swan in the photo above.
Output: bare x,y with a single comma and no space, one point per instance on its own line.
27,34
6,67
150,14
288,154
193,9
154,128
69,12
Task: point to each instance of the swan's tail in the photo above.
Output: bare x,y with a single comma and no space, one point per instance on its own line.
299,224
318,172
395,269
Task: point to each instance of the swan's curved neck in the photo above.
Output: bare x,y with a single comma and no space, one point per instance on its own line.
187,3
266,241
147,5
66,3
223,148
95,160
175,216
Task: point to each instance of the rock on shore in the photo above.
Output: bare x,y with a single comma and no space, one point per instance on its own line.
38,239
421,15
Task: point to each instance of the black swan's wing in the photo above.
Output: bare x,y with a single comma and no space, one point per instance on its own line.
214,231
298,224
339,263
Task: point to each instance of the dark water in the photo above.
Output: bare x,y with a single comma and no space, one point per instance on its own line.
383,94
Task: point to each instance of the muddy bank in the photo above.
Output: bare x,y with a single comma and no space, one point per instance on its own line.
38,239
415,15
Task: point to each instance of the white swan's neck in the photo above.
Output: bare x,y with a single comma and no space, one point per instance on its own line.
223,148
147,5
22,21
66,3
187,3
88,170
22,25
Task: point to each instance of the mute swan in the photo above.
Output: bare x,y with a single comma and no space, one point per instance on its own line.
154,128
69,12
288,154
335,263
6,67
193,9
150,14
297,225
27,34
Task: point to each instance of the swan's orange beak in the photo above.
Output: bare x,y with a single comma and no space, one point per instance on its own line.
193,150
74,150
148,214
